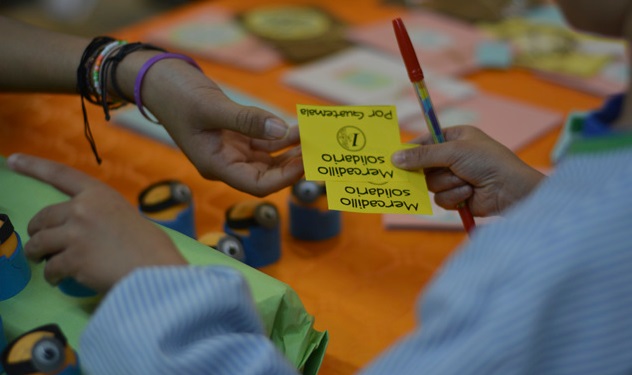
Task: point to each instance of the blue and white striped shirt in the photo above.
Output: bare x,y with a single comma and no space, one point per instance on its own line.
546,290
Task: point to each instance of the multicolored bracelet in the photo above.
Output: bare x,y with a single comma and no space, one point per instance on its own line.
143,71
84,87
99,62
96,69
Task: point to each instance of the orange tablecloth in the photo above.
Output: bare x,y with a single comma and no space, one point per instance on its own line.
363,285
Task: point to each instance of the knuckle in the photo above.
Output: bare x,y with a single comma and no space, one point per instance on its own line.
247,121
31,248
80,211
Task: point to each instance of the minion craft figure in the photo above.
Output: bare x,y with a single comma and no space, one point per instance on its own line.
224,243
3,341
41,351
256,225
169,203
15,272
310,219
71,287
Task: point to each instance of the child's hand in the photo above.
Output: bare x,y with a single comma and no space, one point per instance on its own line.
97,237
470,166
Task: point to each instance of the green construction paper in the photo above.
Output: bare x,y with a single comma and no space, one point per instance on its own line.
289,326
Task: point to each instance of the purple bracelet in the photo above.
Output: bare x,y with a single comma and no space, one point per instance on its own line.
143,71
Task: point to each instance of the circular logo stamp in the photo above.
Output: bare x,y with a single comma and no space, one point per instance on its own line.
351,138
288,22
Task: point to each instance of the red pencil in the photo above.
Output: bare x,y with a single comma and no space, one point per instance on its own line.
416,76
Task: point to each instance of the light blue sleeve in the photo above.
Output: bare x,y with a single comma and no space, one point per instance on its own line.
179,320
546,291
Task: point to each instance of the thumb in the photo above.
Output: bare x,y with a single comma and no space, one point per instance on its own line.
425,156
255,122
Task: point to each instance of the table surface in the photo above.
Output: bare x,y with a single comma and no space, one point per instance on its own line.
361,286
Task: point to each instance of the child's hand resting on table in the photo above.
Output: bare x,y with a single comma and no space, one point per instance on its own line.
470,166
96,237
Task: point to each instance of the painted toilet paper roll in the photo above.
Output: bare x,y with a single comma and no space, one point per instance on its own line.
256,225
310,219
15,272
169,203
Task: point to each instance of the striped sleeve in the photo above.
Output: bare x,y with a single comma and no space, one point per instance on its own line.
546,291
179,320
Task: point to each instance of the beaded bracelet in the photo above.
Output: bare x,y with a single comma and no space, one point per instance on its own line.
96,69
110,65
100,59
143,71
85,89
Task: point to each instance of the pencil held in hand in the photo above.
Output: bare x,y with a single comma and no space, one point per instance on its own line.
416,76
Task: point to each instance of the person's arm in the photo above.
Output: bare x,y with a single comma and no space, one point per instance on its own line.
38,60
224,140
470,166
239,145
545,290
180,320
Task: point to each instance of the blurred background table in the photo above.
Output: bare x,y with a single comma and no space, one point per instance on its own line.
363,285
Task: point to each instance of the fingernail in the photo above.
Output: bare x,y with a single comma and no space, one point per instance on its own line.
13,160
398,158
275,129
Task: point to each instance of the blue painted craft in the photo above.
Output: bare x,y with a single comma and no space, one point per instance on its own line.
15,272
3,341
169,203
310,219
256,225
72,288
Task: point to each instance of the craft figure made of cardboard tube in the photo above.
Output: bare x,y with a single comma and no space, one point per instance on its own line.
225,243
169,203
71,287
3,342
256,225
41,351
310,219
15,272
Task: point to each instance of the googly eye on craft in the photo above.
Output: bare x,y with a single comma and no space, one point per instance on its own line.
41,351
224,243
308,191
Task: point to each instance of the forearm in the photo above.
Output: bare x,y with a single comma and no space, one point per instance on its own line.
38,60
165,80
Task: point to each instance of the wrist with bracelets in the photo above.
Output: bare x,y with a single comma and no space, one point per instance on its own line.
97,69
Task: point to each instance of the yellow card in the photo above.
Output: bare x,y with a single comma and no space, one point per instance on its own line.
395,197
349,143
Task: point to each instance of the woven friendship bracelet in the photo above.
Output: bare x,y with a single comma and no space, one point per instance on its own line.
99,62
143,71
96,69
110,65
84,87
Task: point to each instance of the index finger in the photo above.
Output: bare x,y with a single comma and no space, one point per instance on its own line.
66,179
